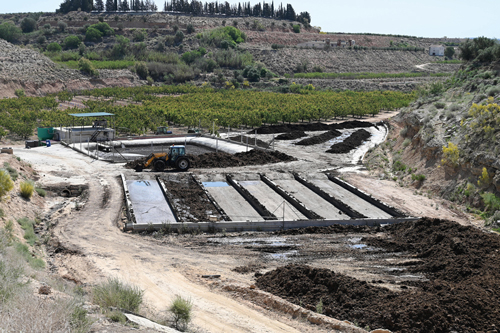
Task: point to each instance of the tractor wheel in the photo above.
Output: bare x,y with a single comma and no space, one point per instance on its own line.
159,165
138,168
182,164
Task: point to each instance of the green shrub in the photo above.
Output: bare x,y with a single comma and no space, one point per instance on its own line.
80,321
54,47
296,28
33,261
233,58
41,39
439,105
28,24
436,88
138,36
9,32
114,293
179,37
319,306
117,317
20,93
62,26
121,48
93,35
190,28
190,57
72,42
86,66
6,183
103,28
398,166
491,202
406,143
29,233
419,177
230,35
27,188
493,91
142,70
181,312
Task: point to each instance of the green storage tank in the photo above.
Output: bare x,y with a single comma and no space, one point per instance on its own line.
45,133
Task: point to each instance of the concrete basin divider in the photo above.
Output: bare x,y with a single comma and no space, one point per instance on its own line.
367,197
291,199
264,225
343,207
253,201
164,190
221,211
128,201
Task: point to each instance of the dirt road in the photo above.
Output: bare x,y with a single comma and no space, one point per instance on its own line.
93,248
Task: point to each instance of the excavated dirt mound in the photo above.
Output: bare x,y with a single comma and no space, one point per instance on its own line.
224,160
461,294
311,127
251,141
319,138
291,135
352,142
252,157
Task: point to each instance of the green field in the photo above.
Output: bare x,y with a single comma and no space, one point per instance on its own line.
115,64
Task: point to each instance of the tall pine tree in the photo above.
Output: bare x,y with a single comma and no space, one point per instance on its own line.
110,5
99,5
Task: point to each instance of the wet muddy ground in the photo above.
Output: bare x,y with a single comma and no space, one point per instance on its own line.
425,276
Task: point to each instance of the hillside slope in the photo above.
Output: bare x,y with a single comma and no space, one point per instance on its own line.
452,140
22,68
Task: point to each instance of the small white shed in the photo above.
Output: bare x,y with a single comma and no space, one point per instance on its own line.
436,50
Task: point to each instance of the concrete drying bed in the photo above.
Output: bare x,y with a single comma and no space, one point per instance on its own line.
235,206
351,199
311,200
272,200
148,202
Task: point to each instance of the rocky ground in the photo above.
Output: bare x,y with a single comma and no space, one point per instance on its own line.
346,61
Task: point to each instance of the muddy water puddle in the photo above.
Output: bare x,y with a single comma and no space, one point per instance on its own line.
349,254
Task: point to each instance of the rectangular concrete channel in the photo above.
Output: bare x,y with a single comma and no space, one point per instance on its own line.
350,198
272,200
235,206
311,200
149,203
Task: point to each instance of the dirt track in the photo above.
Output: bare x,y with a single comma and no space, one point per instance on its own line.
92,248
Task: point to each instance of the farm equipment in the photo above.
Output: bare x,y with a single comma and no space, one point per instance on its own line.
162,130
175,158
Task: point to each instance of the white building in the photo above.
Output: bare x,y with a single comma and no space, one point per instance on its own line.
436,50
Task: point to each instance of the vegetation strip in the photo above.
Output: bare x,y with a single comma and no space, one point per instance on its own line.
199,106
359,76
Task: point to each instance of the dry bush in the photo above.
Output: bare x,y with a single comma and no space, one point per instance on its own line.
28,313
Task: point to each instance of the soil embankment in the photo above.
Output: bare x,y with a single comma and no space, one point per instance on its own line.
311,127
352,142
461,293
314,140
225,160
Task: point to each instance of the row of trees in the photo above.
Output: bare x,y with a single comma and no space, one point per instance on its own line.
228,107
481,49
258,10
189,7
